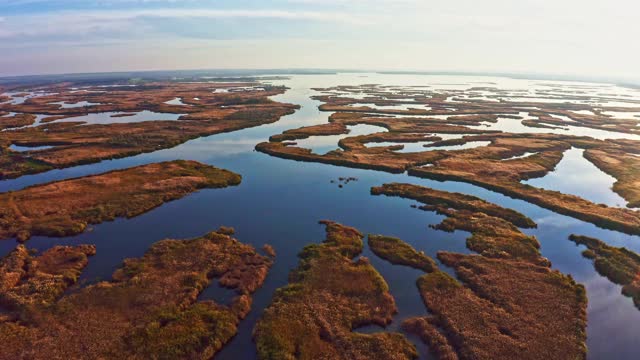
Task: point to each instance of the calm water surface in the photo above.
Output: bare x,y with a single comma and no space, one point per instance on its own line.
280,202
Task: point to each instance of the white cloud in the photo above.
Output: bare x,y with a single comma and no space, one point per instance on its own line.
541,36
88,22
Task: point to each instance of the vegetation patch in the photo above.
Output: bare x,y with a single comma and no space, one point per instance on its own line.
502,309
147,311
76,142
619,265
496,166
507,302
27,280
445,200
67,207
330,294
399,252
625,167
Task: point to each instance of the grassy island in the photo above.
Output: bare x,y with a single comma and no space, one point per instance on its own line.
75,142
67,207
398,252
149,310
619,265
507,302
488,158
330,294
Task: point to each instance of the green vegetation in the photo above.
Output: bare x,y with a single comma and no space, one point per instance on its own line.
445,200
27,280
399,252
619,265
493,233
13,163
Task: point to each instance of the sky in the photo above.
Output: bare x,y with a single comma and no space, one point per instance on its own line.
559,37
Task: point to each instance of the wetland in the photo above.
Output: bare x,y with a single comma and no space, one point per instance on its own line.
491,165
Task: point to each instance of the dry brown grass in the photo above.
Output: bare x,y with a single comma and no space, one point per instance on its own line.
149,309
75,145
328,295
507,303
67,207
485,166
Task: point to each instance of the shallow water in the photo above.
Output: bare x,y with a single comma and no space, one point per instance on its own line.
21,99
423,146
516,126
525,155
408,146
66,105
622,115
323,144
396,107
28,148
280,202
176,101
578,176
467,145
109,118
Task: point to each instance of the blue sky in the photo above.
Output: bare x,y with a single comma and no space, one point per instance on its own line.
567,37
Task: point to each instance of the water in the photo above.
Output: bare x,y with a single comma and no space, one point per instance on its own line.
578,176
20,97
280,202
396,107
525,155
66,105
116,117
516,126
28,148
621,115
176,101
324,144
467,145
423,146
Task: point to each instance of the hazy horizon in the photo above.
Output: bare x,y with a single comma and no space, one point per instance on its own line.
570,39
257,72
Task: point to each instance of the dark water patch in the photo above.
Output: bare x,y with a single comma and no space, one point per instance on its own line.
218,293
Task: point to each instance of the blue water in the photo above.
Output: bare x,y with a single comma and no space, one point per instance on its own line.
280,202
66,105
576,175
112,117
28,148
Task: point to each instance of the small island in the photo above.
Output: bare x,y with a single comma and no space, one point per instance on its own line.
619,265
330,294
